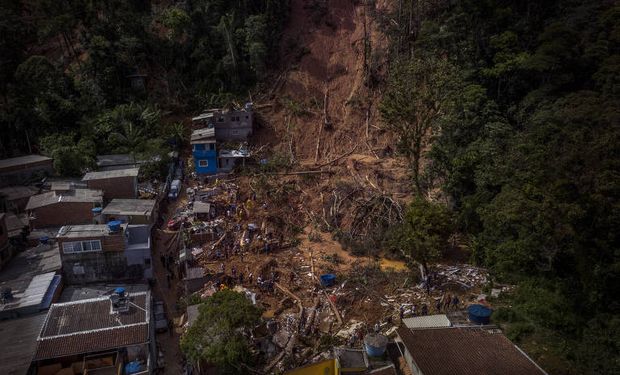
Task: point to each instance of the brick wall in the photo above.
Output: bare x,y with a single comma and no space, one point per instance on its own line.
63,213
120,187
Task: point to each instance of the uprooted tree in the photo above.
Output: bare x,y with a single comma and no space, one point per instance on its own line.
218,335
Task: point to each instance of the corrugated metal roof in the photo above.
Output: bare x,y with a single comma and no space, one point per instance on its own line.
203,135
201,208
427,321
465,351
22,160
129,207
117,173
52,197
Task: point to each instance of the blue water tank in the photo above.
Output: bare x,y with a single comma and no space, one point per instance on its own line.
114,226
97,210
328,279
133,367
479,314
44,239
120,290
375,344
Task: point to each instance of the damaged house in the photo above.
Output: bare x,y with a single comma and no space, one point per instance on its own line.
105,252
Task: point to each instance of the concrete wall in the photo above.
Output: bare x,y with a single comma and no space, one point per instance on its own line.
231,130
62,213
119,187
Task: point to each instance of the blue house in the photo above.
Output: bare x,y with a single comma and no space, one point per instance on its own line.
204,151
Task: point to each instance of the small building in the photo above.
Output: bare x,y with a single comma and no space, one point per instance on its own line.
110,334
202,210
228,159
17,171
131,211
463,350
102,253
204,151
230,125
15,198
55,209
120,183
117,161
17,227
30,282
19,342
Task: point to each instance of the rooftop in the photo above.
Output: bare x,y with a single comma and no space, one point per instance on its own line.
18,192
115,159
31,276
15,223
465,350
51,197
203,135
86,230
22,160
90,291
90,325
427,321
129,172
18,340
129,207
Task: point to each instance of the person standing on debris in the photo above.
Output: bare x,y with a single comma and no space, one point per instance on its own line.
438,305
455,302
222,268
377,327
233,271
240,278
401,312
413,309
424,310
447,299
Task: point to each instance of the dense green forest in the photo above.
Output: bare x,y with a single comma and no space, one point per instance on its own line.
80,78
511,107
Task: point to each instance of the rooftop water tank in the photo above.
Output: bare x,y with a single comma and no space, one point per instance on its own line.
375,344
96,210
114,226
479,314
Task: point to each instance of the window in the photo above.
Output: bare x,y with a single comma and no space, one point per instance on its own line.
234,132
81,246
203,163
211,146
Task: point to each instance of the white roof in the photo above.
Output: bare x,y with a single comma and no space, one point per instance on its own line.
129,172
427,321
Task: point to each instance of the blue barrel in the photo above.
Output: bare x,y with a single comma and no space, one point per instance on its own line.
132,367
328,279
114,226
375,344
44,239
96,210
479,314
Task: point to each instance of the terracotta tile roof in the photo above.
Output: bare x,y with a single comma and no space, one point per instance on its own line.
91,342
465,350
89,325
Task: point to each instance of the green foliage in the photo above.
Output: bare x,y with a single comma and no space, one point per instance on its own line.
217,336
422,236
70,159
525,144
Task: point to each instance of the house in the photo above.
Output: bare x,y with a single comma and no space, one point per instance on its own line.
227,159
229,125
15,198
16,171
111,334
202,210
462,350
131,211
204,151
55,209
17,227
117,161
100,253
19,342
5,248
30,282
120,183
